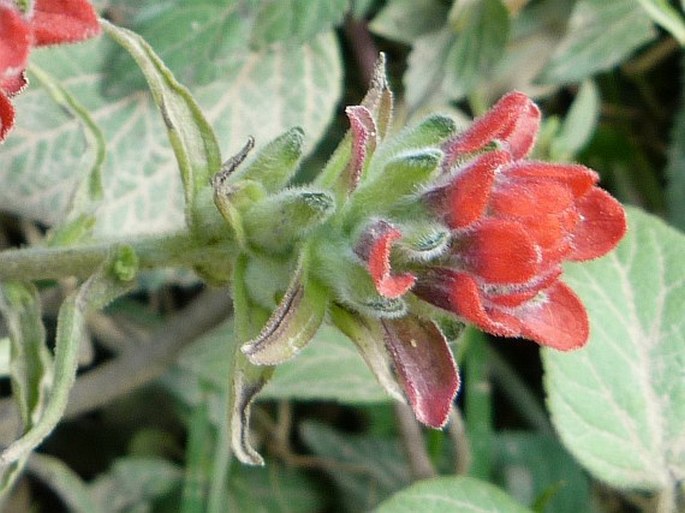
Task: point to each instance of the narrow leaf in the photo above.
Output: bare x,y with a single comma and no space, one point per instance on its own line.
190,134
365,469
667,16
30,362
292,325
65,483
96,292
619,403
247,379
600,34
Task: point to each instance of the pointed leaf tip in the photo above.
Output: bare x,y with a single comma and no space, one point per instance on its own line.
292,325
425,367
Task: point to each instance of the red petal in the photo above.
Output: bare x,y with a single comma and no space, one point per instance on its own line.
469,191
466,302
6,116
14,85
518,295
530,197
63,21
558,319
521,138
498,251
603,224
363,130
15,44
374,246
578,178
499,122
425,366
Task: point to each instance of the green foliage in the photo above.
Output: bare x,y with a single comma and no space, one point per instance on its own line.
618,403
104,129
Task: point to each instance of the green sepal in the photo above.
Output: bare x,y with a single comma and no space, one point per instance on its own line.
276,223
423,241
232,199
247,379
293,323
400,178
276,163
429,133
367,335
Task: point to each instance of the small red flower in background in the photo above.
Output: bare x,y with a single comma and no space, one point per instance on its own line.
49,22
514,222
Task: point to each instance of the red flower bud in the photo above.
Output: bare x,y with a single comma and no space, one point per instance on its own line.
374,247
513,121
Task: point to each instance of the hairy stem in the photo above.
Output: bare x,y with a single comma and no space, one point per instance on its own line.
174,249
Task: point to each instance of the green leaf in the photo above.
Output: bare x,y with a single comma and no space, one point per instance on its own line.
30,362
675,169
462,494
299,211
132,482
329,368
96,292
619,403
295,20
272,489
259,93
406,20
64,482
365,468
578,125
532,467
667,16
80,217
453,60
190,135
600,34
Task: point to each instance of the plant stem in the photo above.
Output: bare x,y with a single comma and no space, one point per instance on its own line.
172,249
478,403
413,442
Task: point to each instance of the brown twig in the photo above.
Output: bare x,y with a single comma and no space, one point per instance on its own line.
412,440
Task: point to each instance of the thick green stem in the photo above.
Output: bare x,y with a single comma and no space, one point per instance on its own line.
168,250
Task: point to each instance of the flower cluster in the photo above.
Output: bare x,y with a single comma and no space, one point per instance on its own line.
403,235
42,23
513,223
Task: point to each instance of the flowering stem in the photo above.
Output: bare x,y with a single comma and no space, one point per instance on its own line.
173,249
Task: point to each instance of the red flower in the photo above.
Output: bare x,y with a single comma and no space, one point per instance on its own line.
514,223
374,248
50,22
